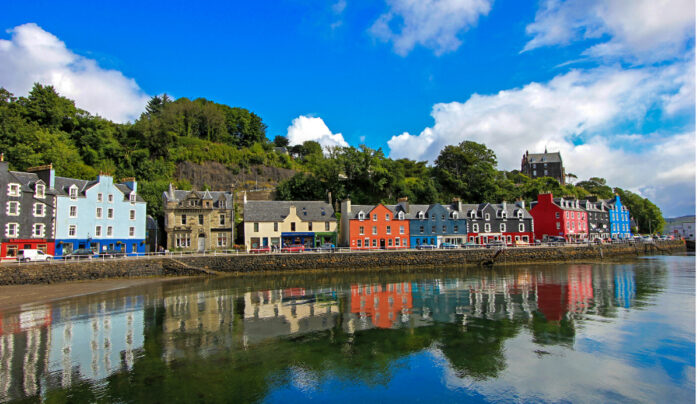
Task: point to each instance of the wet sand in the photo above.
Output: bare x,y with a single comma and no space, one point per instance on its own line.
17,295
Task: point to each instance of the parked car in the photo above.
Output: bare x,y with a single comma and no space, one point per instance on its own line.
293,248
469,245
112,253
496,244
81,253
329,247
31,255
260,250
426,246
448,245
557,240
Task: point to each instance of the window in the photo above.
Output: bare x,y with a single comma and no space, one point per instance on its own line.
374,242
520,214
276,226
432,217
509,239
386,217
402,216
12,189
311,226
39,210
374,217
98,231
132,231
222,220
361,215
73,192
456,229
132,197
487,228
388,230
475,228
421,215
391,242
402,230
487,216
359,242
110,213
183,220
182,240
256,227
557,215
366,242
567,214
397,242
72,230
454,215
404,242
328,226
99,197
374,229
521,227
40,190
73,211
201,220
109,231
362,230
11,229
444,228
422,229
110,198
526,238
432,228
132,214
98,213
12,208
221,240
294,226
472,214
503,227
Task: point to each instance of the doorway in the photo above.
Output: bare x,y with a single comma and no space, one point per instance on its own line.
201,243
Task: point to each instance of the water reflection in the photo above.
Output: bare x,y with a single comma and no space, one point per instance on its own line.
260,337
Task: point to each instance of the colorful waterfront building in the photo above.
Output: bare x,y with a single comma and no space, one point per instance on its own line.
559,217
509,223
278,224
368,227
433,224
619,219
100,215
27,200
598,218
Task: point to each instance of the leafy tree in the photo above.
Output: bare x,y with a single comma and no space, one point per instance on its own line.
281,141
467,171
597,186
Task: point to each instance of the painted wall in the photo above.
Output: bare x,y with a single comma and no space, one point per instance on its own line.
384,218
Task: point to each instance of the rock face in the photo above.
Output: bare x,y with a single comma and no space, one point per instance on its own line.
14,274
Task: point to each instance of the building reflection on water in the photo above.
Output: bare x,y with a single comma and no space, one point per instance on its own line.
57,345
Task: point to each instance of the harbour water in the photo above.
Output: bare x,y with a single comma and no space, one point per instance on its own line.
613,332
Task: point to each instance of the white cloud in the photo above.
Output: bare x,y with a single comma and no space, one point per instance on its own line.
570,114
34,55
433,24
644,30
305,128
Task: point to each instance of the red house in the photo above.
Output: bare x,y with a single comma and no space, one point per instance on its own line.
559,217
367,227
383,305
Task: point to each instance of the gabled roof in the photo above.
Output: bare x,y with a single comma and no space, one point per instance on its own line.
276,211
467,208
544,157
181,195
127,191
63,184
28,181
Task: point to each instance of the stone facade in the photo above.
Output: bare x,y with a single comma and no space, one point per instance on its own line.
537,165
198,220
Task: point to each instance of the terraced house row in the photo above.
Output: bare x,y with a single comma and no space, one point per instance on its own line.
58,215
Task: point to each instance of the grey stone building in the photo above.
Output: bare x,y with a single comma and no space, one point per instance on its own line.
598,218
537,165
28,214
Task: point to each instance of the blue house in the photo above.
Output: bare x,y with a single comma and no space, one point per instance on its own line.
433,224
619,219
99,215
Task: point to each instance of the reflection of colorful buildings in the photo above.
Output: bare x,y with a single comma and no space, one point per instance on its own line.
383,305
579,288
624,287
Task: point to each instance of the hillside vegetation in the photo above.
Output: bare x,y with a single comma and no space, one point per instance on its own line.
45,127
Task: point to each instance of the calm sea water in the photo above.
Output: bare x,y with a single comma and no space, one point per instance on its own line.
557,333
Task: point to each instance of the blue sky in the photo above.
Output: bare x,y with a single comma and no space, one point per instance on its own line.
608,83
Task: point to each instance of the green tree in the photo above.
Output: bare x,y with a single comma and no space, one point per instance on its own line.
467,171
281,141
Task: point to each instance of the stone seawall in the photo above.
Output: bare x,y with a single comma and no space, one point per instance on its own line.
12,274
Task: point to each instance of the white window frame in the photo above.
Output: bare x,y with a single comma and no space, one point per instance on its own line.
503,227
98,213
72,230
361,216
13,189
132,197
374,217
17,206
110,231
421,215
110,198
73,192
401,216
132,231
43,210
40,191
362,230
487,227
475,228
110,213
73,211
521,227
132,214
388,230
402,230
487,216
42,231
99,197
14,226
374,230
98,231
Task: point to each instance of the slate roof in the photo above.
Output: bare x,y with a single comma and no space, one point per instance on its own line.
62,184
28,180
544,157
511,210
276,211
126,191
180,195
581,208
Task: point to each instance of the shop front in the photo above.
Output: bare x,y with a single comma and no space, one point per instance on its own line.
325,238
297,238
10,248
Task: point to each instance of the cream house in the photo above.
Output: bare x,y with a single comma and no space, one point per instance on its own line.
276,224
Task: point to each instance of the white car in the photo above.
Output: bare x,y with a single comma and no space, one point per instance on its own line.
33,256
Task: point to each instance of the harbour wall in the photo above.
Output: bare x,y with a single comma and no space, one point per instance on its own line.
211,265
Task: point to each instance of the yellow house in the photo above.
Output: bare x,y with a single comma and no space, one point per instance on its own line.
276,224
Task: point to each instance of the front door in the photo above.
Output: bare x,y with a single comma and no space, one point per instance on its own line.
201,243
382,243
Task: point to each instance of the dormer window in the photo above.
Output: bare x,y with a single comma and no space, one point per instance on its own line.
472,214
361,215
520,214
73,192
401,216
504,214
487,216
40,191
132,198
421,215
13,189
454,215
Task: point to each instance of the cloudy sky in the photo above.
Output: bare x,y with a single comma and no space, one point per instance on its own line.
609,83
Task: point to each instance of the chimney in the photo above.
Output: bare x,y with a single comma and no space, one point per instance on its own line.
403,202
46,174
245,197
520,203
130,182
330,198
457,204
171,191
546,199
